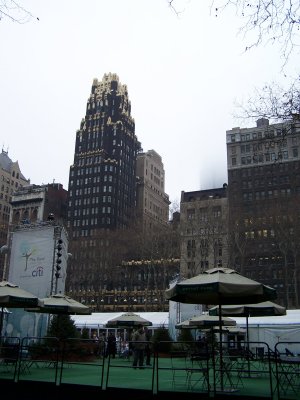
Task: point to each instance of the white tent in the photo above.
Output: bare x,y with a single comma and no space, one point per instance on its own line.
271,330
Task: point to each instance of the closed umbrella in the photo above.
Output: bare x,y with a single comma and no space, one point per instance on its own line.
219,286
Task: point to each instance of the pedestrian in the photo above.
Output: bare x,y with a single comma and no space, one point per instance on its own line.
139,344
111,345
118,343
96,344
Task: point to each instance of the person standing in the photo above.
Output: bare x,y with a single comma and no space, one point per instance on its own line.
139,344
111,345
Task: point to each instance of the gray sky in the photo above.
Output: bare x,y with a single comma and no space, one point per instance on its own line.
184,74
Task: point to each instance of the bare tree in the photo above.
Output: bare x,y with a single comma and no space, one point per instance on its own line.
271,21
274,102
13,11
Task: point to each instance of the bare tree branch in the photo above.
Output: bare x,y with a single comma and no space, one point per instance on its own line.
271,21
174,8
272,102
15,12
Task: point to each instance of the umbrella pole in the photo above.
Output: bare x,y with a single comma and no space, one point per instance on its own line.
221,345
1,323
248,352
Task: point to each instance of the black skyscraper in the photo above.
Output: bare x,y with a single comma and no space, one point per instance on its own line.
102,181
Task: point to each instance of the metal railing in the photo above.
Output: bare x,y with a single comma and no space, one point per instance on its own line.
175,366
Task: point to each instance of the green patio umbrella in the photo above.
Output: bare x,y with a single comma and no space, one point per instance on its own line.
204,321
219,286
263,309
60,304
12,296
128,320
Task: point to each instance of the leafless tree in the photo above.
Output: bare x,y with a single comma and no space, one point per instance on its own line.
271,21
13,11
273,102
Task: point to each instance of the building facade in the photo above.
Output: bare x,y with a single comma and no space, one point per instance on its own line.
11,180
264,204
152,201
102,180
204,230
37,203
116,194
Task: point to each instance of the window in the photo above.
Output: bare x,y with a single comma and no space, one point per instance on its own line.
216,212
295,152
190,213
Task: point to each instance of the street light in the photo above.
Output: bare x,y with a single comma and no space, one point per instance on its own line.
58,261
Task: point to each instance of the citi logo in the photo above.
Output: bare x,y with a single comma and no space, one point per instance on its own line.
39,271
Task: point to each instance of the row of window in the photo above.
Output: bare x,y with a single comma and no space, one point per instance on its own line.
267,157
7,180
268,194
264,233
267,134
89,190
273,168
258,147
203,213
282,219
5,197
87,232
269,181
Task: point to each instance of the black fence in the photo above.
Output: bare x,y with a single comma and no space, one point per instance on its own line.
155,369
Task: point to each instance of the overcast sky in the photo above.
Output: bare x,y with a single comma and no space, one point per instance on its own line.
184,74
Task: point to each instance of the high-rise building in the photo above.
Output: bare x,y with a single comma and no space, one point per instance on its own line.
102,181
204,230
152,201
264,204
11,179
114,189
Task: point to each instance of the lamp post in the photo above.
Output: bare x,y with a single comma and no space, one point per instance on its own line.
58,261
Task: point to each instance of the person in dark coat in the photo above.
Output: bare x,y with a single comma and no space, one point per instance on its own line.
111,345
139,342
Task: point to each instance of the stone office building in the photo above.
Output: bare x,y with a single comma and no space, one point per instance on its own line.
264,204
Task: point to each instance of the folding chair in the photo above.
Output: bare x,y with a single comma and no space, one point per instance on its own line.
179,370
198,372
